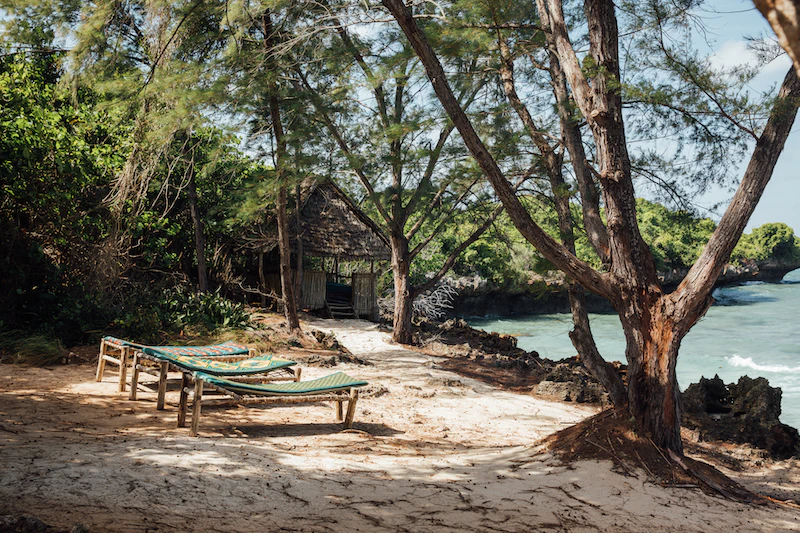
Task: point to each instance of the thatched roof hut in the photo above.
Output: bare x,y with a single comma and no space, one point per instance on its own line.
331,226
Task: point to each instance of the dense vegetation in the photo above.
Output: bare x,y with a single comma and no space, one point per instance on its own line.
63,271
70,265
676,238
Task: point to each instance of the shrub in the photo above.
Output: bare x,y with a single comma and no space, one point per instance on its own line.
210,310
37,349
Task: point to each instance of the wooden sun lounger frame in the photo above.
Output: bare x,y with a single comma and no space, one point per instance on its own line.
125,356
125,352
349,395
160,367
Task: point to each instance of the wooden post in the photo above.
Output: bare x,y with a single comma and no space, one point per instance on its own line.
184,400
262,279
351,408
339,410
198,398
123,368
299,271
162,387
297,372
134,376
101,363
374,313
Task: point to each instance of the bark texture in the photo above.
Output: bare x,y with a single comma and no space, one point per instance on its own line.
784,17
403,292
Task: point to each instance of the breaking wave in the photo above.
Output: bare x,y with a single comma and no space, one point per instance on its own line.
747,362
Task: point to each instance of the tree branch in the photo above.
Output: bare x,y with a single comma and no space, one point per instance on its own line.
695,289
551,249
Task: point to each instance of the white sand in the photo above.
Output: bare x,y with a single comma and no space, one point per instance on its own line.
434,452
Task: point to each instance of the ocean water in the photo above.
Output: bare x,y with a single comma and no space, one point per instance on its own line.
753,329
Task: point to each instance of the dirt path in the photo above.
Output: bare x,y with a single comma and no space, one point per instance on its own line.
431,451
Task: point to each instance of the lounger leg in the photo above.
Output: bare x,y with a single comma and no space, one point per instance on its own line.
351,408
162,387
297,372
123,368
198,398
101,363
134,376
339,410
184,400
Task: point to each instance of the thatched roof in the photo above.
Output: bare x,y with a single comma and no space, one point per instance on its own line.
332,226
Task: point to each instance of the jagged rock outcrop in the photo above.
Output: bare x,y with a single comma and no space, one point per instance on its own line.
569,382
743,412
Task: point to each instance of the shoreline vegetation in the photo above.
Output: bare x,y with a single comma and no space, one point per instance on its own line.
477,297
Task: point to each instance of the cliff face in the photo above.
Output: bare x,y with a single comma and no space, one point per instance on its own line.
478,298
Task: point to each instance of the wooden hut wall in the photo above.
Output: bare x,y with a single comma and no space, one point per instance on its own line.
313,289
364,298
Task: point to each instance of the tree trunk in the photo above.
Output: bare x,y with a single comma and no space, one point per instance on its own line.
199,237
287,284
654,324
403,294
654,399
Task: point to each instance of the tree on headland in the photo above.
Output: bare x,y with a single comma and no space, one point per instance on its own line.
400,149
654,322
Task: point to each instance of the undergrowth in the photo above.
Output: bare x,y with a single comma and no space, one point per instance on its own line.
35,349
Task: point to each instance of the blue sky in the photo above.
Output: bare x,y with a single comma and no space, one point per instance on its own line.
781,201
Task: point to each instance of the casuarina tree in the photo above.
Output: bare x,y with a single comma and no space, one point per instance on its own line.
654,321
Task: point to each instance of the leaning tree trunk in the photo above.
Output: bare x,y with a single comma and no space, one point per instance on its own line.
199,238
403,293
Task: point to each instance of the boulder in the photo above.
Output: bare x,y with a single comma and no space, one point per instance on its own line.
580,391
708,396
744,413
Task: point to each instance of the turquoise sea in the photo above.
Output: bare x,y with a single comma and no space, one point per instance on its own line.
753,329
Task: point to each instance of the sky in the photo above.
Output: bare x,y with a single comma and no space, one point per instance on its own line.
781,201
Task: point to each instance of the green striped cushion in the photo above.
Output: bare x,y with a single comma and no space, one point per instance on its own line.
334,382
253,365
225,348
222,349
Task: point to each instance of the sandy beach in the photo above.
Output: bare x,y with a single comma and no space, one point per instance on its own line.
430,451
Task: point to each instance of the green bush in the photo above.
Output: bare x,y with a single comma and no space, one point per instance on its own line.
772,240
210,310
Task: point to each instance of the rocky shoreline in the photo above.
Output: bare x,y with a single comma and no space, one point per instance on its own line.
743,413
477,297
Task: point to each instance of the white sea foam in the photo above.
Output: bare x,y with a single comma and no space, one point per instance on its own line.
747,362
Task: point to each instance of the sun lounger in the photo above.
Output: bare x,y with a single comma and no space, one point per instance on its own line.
119,352
338,387
165,360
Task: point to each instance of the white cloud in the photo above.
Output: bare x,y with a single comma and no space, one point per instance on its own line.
732,53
